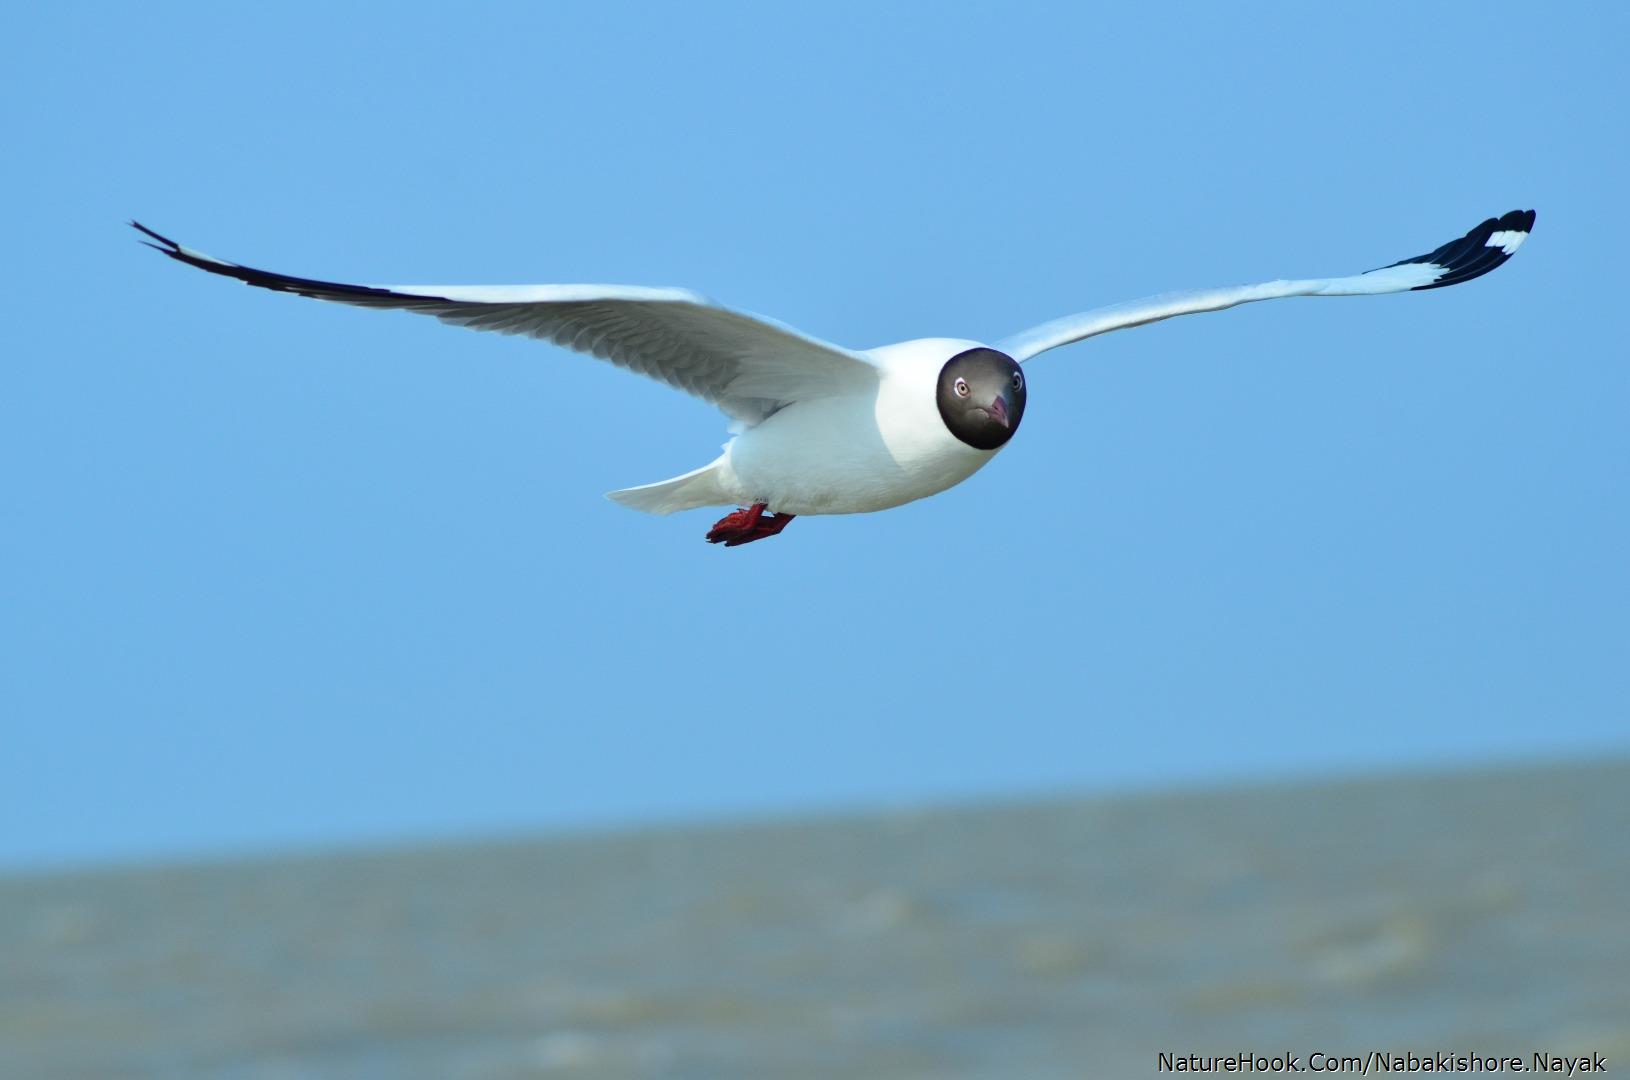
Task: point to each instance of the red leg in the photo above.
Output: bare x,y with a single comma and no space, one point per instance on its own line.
773,524
766,526
735,526
745,526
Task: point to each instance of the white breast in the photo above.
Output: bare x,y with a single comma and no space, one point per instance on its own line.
851,455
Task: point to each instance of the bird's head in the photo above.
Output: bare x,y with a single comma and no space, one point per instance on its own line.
981,396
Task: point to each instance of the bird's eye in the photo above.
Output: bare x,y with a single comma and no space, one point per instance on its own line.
961,387
1018,381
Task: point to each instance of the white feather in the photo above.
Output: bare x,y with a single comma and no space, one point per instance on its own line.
857,453
818,429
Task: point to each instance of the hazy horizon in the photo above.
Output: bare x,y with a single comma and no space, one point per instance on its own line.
1312,782
1429,913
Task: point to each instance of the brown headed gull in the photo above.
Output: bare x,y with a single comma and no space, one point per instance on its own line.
820,429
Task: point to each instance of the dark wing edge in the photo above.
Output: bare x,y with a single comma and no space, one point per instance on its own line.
366,295
675,336
1482,249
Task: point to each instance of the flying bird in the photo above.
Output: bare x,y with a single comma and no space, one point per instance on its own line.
817,428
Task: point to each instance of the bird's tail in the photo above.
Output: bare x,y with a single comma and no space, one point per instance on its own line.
699,487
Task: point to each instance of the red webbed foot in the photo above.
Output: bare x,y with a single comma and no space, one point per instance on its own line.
735,526
745,526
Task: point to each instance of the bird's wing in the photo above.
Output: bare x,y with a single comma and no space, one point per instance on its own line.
746,365
1472,255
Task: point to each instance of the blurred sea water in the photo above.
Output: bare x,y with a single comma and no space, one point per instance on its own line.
1483,912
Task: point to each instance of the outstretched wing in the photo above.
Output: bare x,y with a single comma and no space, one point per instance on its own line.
1472,255
746,365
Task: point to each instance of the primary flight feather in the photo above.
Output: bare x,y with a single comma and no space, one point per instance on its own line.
820,429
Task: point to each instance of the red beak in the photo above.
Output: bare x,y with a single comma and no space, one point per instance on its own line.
998,412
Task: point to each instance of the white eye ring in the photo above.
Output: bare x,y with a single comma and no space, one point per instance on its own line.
961,387
1018,381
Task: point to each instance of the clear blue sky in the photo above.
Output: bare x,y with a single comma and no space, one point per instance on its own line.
277,573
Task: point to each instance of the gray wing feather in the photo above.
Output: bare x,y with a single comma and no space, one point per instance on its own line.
746,365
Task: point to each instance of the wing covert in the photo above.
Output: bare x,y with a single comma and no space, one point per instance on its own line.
746,365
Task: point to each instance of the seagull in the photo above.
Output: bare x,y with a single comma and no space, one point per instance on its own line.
817,428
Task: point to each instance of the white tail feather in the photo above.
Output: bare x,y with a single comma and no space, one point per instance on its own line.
699,487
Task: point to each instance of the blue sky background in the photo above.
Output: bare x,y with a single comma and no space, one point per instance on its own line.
277,573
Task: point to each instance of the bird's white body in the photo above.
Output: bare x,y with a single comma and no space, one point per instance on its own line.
851,455
847,454
821,429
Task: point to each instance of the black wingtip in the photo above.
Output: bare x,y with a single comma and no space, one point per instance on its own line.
1473,255
1515,219
366,295
168,244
